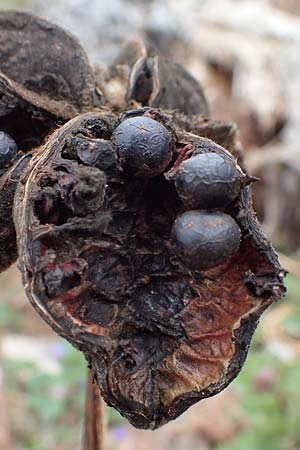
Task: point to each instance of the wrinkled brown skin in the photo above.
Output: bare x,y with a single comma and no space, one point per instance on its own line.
8,184
25,116
43,58
102,272
140,76
45,79
153,81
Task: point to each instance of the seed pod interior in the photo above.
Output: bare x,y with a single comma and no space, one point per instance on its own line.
103,273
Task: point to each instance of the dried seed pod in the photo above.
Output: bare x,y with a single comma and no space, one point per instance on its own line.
158,336
45,77
152,81
170,77
8,184
205,239
155,80
208,181
25,116
143,145
45,59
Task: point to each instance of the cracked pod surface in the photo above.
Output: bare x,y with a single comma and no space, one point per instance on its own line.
99,265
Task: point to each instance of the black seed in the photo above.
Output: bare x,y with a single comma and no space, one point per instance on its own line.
208,181
8,149
205,239
143,146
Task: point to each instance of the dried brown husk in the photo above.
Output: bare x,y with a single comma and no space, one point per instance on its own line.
45,80
8,184
25,115
157,336
45,59
141,76
45,77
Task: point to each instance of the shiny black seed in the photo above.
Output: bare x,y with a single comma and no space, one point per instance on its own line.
208,181
8,149
143,146
205,239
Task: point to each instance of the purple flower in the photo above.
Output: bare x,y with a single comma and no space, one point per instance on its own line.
119,433
57,350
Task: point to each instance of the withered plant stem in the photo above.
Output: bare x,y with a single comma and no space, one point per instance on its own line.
94,417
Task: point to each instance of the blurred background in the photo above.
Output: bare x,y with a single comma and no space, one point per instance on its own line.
246,55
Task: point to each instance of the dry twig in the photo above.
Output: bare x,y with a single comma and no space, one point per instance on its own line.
94,423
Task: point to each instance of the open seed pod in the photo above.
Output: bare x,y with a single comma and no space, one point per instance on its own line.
154,80
105,256
45,77
141,76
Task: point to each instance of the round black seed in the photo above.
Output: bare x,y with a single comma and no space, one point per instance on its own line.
208,181
143,146
8,149
205,239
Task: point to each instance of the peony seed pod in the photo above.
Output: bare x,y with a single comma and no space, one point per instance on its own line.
97,221
99,266
45,77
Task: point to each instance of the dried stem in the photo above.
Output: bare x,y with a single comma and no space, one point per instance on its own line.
94,423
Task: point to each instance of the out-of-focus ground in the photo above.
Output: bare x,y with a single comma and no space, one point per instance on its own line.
42,388
246,55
